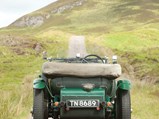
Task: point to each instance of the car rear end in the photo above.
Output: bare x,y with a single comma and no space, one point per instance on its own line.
78,104
78,91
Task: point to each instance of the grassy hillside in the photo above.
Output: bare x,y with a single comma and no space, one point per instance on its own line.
20,54
128,28
105,16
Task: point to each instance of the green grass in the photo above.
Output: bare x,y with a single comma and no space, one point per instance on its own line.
145,101
55,42
139,48
18,71
16,100
133,41
16,85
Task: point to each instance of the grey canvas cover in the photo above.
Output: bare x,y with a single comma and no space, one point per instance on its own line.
81,70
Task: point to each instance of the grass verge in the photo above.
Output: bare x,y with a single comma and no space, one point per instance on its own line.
18,71
145,101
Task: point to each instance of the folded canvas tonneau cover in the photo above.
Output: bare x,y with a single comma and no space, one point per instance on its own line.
81,70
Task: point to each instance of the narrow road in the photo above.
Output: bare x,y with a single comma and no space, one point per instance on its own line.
77,45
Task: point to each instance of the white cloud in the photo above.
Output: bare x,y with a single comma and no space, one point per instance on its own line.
10,10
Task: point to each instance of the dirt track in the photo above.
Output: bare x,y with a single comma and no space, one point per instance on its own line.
77,45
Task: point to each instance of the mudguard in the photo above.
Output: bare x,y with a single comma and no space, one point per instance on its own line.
39,83
124,84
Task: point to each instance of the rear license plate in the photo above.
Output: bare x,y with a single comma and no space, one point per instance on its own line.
82,103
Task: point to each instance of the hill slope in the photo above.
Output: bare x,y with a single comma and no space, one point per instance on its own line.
128,28
94,15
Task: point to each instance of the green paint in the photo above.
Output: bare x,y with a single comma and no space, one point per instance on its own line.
80,94
124,84
107,98
39,83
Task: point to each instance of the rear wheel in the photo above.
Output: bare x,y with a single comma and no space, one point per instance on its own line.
40,110
123,104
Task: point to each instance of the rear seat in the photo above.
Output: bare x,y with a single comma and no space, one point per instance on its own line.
54,69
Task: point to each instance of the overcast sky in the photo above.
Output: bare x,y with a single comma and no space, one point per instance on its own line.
10,10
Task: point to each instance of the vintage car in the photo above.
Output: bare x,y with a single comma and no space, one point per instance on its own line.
81,88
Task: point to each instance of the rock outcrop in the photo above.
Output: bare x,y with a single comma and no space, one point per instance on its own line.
67,7
38,20
29,21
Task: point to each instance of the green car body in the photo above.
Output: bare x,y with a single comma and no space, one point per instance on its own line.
66,97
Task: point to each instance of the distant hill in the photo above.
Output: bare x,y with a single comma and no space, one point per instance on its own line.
97,15
45,14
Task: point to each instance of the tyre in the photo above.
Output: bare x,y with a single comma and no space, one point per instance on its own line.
123,104
40,110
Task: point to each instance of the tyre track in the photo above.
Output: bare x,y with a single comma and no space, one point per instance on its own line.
77,45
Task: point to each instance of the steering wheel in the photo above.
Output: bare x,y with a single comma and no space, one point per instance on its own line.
87,60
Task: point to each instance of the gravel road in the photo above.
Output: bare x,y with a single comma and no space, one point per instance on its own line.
77,45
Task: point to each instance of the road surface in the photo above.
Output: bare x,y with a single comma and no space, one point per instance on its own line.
77,45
